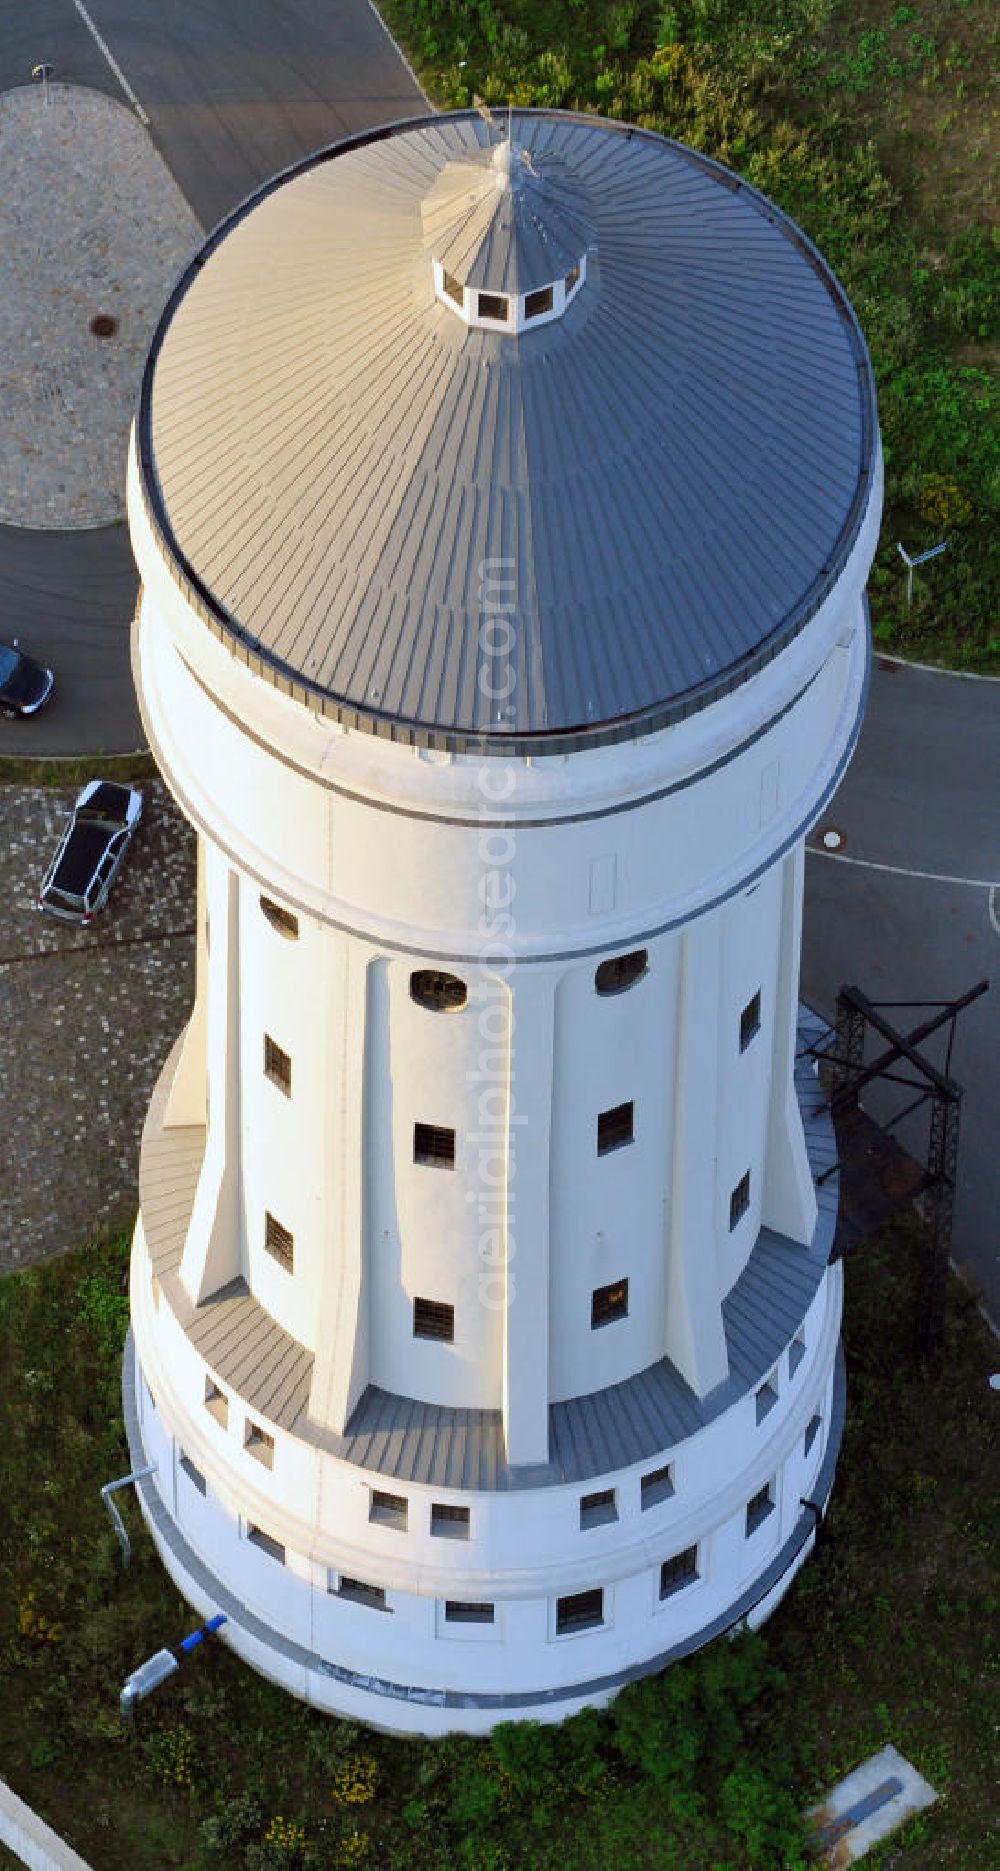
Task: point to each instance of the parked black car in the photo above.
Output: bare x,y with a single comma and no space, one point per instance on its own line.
90,851
25,686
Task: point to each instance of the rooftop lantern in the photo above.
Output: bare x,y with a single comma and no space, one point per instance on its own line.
508,233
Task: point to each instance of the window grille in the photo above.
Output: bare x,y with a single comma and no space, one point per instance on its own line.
608,1303
433,1319
678,1572
739,1201
434,1146
278,1242
277,1065
759,1508
464,1611
451,1523
657,1486
598,1510
581,1611
359,1592
388,1510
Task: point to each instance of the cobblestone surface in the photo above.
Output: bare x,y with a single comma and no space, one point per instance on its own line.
87,1017
91,223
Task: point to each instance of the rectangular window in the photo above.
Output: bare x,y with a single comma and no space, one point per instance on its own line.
581,1611
463,1611
677,1572
194,1474
451,1523
608,1303
571,279
359,1592
759,1508
259,1444
277,1065
767,1397
812,1431
434,1145
750,1021
388,1510
453,287
739,1201
278,1242
597,1510
493,305
796,1353
273,1548
433,1319
216,1403
535,303
658,1485
615,1128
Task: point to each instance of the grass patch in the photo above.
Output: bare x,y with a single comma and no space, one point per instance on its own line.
76,769
889,1633
877,127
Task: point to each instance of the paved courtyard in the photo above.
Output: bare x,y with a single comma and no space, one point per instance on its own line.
87,1017
92,226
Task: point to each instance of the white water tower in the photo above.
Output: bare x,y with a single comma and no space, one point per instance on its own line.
503,510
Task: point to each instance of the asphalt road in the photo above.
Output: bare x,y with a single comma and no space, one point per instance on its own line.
923,795
232,96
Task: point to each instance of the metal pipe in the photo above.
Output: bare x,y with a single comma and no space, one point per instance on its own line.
110,1488
162,1665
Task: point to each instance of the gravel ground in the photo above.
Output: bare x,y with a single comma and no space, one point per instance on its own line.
91,223
87,1017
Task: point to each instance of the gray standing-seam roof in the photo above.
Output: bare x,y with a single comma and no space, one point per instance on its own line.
671,475
437,1445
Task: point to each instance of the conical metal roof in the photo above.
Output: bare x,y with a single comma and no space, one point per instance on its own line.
655,491
507,221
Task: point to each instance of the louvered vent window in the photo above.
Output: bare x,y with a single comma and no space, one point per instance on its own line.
581,1611
433,1319
277,1065
739,1201
434,1146
278,1242
677,1572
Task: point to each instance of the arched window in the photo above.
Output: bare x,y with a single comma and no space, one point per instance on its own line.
621,972
282,920
442,993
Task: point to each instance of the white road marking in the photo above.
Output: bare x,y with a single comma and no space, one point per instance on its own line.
112,61
901,870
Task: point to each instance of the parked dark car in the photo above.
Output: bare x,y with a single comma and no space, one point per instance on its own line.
90,852
25,686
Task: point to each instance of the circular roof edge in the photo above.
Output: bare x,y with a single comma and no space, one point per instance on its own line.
503,742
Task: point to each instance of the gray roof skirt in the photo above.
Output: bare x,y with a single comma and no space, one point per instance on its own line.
672,474
643,1418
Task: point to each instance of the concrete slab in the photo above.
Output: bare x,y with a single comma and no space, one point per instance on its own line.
865,1807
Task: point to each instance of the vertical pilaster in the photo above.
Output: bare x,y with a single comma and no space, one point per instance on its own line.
695,1337
213,1249
525,1395
789,1198
356,1029
187,1099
